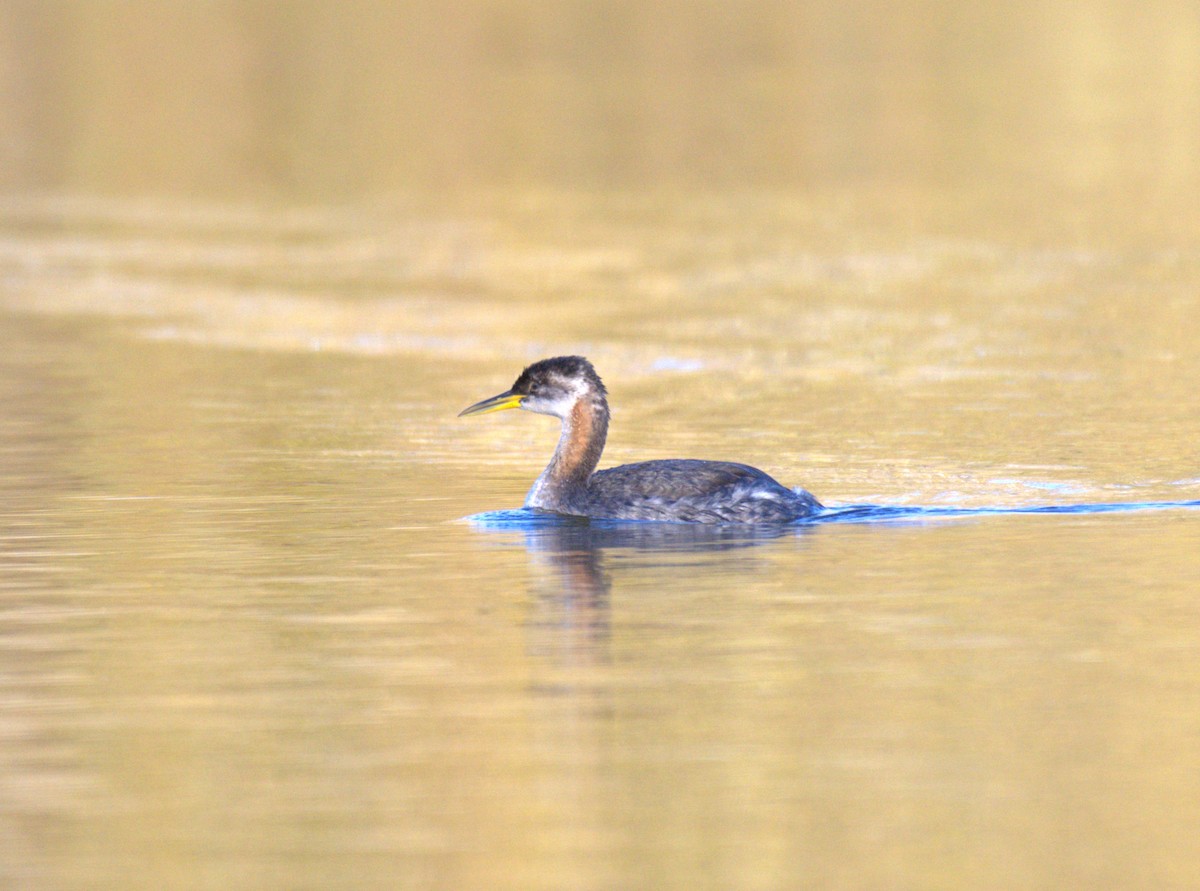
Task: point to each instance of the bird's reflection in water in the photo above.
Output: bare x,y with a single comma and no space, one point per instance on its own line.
575,559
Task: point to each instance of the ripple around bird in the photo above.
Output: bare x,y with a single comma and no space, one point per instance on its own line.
529,519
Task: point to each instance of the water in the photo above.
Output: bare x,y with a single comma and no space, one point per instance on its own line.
272,616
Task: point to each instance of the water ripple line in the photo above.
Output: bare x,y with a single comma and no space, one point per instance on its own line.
529,519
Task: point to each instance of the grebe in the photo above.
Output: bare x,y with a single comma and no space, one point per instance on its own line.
681,491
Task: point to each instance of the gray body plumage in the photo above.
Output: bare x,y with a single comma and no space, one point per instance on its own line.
681,491
685,491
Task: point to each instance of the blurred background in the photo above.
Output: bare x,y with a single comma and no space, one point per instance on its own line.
255,256
311,102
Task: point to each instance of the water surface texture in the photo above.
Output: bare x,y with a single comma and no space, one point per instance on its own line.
270,616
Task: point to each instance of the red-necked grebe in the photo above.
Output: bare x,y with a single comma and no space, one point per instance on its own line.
681,491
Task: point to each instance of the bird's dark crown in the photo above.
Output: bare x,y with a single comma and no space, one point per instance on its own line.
559,372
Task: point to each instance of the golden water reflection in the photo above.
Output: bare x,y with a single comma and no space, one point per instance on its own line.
245,643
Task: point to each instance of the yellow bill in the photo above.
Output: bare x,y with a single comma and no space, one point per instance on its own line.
502,402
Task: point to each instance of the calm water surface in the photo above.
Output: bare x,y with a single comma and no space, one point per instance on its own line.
248,637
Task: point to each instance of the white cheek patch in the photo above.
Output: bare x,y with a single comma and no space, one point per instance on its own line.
558,405
560,402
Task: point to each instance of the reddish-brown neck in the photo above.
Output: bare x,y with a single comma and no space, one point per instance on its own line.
584,431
